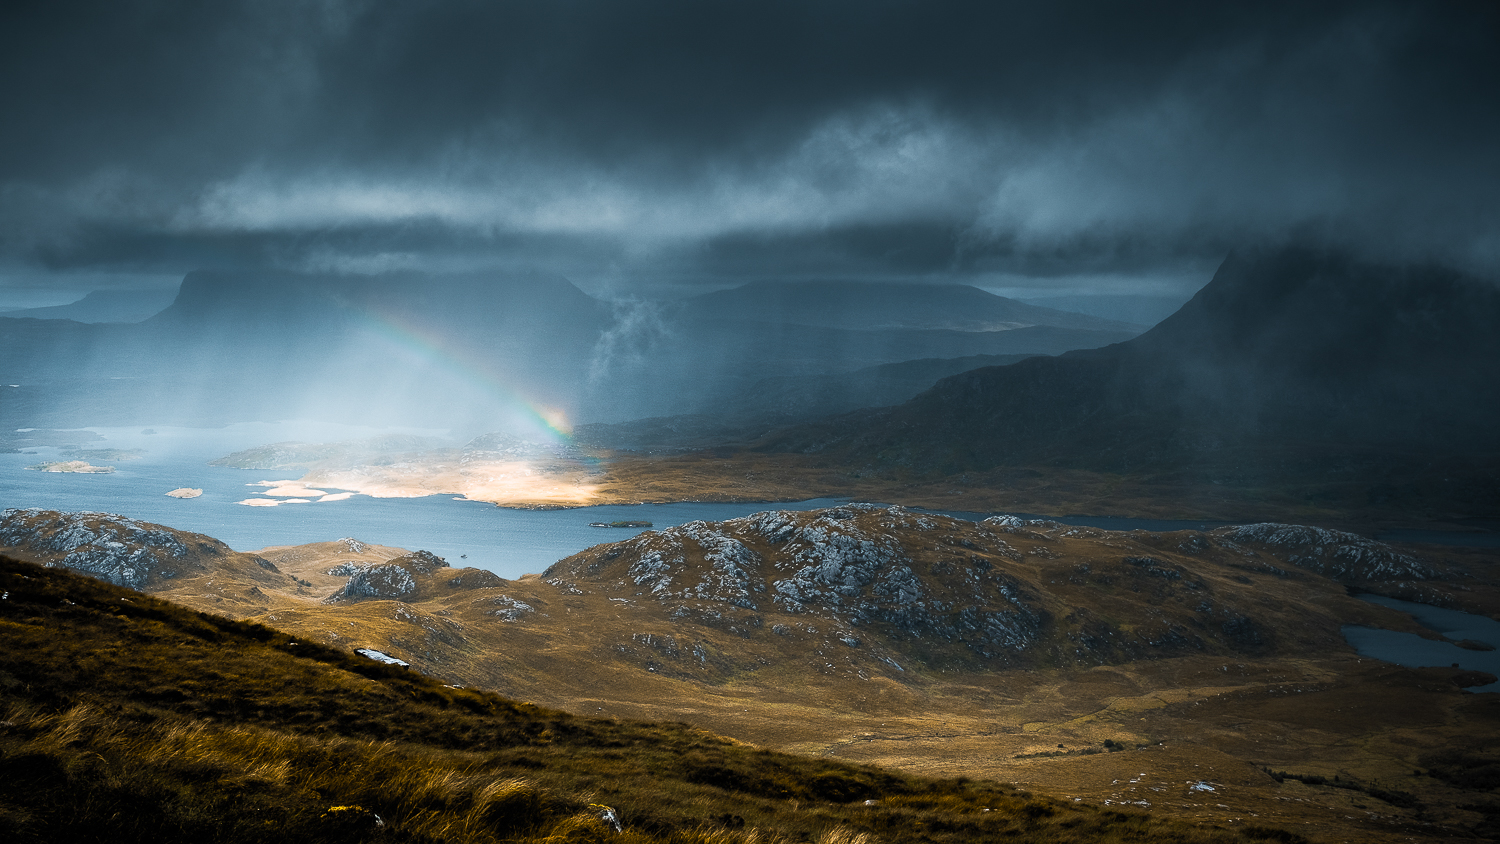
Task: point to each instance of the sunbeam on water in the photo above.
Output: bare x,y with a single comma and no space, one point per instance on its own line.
508,542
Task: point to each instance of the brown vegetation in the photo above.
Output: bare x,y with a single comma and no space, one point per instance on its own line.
1126,696
132,719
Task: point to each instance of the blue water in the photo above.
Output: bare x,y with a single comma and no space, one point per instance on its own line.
507,542
1413,651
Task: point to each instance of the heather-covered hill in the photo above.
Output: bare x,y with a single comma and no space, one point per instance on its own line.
183,726
869,589
853,591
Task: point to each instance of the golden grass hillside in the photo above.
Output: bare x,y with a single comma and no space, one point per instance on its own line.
128,718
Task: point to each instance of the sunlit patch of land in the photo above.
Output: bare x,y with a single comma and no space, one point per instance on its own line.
542,482
1439,497
184,492
291,489
292,492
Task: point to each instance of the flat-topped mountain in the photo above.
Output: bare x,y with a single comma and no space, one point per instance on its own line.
237,346
490,307
103,306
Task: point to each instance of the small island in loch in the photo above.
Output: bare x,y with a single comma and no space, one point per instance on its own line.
77,467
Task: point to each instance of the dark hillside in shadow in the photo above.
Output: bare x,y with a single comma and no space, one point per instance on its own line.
1290,366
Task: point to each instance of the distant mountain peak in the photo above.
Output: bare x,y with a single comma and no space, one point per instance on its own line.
1284,348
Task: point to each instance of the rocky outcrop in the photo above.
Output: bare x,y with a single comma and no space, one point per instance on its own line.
120,550
380,581
408,577
420,562
399,579
1346,557
877,584
846,565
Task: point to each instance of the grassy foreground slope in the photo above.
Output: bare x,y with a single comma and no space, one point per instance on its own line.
128,718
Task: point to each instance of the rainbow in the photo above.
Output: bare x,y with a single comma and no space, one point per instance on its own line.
549,423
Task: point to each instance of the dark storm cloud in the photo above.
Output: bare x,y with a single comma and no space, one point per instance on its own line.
715,140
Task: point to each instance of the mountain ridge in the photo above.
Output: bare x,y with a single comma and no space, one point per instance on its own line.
1256,358
849,304
454,349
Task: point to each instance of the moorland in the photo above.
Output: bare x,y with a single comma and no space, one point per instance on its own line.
1202,676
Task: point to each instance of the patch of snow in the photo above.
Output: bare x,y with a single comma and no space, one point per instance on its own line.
371,653
510,609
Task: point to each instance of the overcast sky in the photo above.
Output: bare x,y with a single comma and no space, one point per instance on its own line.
693,144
